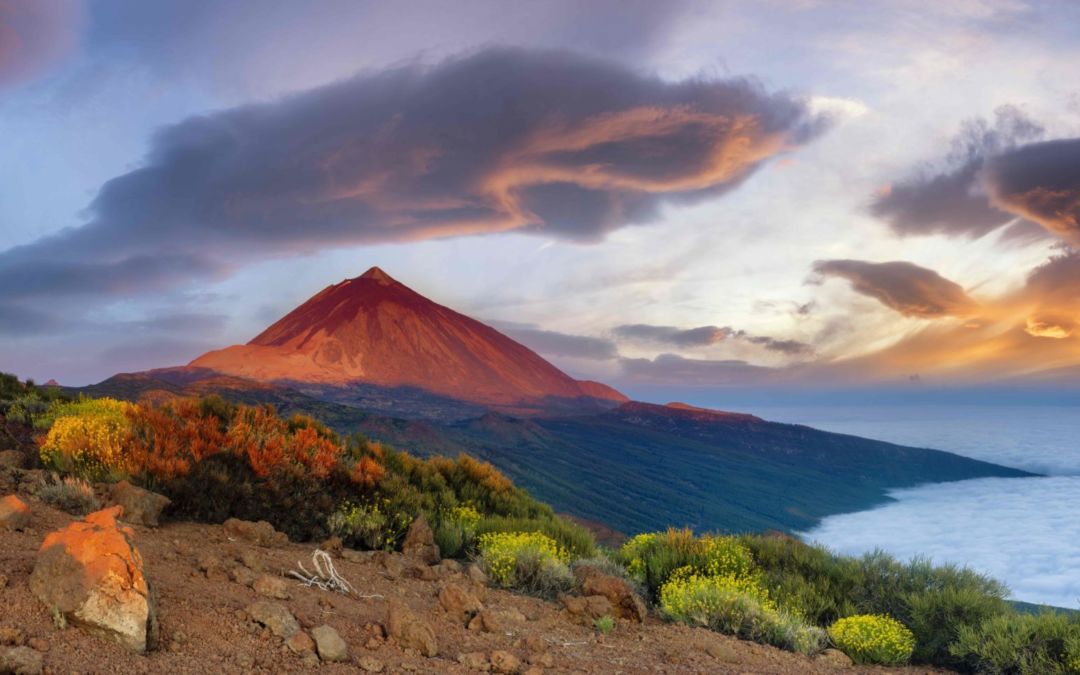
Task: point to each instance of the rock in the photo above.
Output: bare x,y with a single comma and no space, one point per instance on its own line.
420,542
91,572
477,661
588,608
38,644
459,603
21,661
409,630
261,533
274,616
333,545
329,644
243,576
390,562
626,603
497,620
422,571
476,574
300,643
271,587
140,506
250,559
543,659
14,513
213,567
504,662
370,664
448,567
834,658
12,637
11,459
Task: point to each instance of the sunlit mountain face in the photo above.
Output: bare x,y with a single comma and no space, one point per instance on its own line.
686,200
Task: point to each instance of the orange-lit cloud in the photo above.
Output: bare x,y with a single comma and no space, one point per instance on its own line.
35,34
500,140
1040,182
905,287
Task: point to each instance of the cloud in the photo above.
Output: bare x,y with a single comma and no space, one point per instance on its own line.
17,321
34,35
948,197
553,343
550,143
1040,182
703,336
674,369
986,524
905,287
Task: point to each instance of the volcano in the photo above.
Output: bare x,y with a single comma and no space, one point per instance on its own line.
374,330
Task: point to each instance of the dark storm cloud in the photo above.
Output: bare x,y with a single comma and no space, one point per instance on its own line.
702,336
675,369
35,34
499,140
1040,182
553,343
948,196
905,287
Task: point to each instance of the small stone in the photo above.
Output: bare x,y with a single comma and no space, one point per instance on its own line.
459,603
12,637
271,587
475,661
300,643
544,659
497,620
373,643
419,542
140,506
476,574
329,644
409,630
310,660
274,616
38,644
371,664
834,658
261,533
251,560
504,662
14,513
243,576
21,661
3,581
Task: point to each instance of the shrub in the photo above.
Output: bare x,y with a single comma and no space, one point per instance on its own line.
869,638
70,494
605,624
1043,644
530,562
88,438
455,531
369,526
936,617
652,558
577,541
736,607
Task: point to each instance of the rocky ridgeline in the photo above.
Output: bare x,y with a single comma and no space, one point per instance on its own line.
220,598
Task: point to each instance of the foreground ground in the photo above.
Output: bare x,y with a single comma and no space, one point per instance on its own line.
204,626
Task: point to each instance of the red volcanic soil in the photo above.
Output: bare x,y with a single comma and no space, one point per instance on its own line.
375,330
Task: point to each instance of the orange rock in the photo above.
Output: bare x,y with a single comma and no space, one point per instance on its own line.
14,513
92,573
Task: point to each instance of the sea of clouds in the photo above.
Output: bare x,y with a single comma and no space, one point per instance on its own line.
1023,531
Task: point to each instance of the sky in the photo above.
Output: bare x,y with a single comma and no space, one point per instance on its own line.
682,199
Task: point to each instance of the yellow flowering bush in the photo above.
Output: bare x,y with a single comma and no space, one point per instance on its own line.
872,638
727,557
735,606
88,438
466,516
371,526
530,561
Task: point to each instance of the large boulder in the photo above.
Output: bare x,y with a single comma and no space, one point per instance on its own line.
625,602
140,506
91,572
420,542
14,513
410,631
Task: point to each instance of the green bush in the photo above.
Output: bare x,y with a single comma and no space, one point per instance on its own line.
936,617
369,526
736,607
652,558
1021,644
455,530
604,624
529,562
869,638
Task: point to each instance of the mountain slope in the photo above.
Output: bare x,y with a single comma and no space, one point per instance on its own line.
376,331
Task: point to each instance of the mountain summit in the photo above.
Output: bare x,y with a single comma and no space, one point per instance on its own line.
375,330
